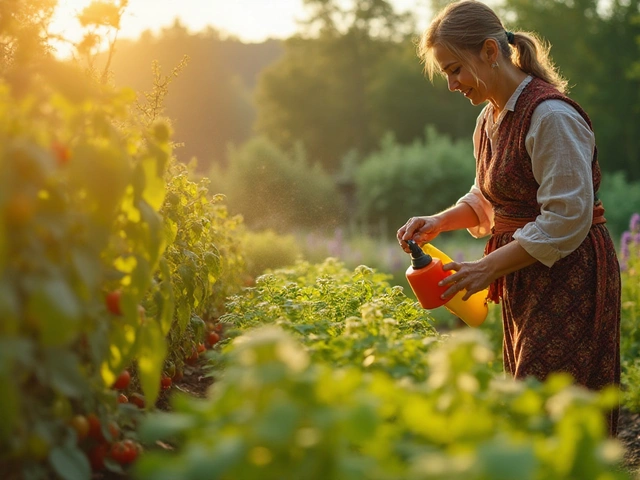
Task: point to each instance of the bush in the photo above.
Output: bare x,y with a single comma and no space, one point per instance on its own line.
267,250
620,199
399,181
273,189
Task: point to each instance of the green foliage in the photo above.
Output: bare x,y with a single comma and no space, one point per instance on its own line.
278,190
278,414
23,33
267,250
203,265
79,219
398,181
359,78
344,317
620,198
629,331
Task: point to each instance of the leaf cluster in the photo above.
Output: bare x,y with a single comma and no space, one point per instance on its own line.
278,413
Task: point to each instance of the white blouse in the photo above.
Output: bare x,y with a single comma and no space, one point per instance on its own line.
560,144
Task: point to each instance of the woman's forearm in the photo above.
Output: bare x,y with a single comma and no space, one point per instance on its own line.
458,217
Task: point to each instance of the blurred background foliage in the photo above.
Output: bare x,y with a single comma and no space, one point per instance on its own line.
324,103
333,137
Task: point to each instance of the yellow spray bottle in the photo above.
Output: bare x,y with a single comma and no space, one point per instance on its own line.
473,311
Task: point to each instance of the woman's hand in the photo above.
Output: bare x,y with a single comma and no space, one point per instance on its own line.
419,229
470,276
478,275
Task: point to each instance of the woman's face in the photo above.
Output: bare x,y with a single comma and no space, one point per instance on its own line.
459,76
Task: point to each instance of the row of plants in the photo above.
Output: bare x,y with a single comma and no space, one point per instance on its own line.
333,373
114,265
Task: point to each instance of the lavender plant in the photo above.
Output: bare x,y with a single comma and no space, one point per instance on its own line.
629,331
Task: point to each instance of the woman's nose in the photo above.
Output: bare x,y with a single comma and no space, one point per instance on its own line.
452,83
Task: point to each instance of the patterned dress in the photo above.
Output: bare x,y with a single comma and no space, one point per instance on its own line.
565,318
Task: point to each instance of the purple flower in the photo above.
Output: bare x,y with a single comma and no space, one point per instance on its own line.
634,223
625,240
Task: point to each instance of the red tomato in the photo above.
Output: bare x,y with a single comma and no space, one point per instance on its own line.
62,152
137,399
201,348
95,429
113,302
212,338
96,456
193,358
81,425
219,327
124,452
122,381
165,382
122,398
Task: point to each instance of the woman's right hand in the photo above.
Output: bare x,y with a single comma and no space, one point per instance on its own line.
419,229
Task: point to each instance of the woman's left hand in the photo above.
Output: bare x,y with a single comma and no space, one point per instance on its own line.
470,276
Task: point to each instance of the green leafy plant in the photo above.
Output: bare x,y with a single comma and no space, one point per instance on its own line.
201,251
342,316
81,234
277,413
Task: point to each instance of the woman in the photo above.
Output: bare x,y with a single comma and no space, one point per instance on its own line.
550,259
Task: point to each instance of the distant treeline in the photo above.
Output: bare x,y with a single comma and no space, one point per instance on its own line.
351,76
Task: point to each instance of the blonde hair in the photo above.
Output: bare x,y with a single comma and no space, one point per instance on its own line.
463,26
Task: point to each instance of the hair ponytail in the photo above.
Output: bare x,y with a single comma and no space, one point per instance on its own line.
531,55
463,26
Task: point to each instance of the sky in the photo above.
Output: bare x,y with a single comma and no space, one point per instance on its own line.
249,20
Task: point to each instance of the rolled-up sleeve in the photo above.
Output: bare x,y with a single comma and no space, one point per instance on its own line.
560,144
482,208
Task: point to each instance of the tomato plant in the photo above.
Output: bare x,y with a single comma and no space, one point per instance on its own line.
78,218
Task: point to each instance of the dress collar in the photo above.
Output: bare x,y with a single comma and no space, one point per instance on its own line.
511,104
509,107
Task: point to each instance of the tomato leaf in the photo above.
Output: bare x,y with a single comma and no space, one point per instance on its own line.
62,369
56,309
152,349
70,463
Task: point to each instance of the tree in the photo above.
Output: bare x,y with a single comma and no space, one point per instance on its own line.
23,30
319,92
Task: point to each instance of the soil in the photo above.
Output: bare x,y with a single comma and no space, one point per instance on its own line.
195,382
629,435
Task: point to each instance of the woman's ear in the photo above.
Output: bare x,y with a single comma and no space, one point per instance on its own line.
490,50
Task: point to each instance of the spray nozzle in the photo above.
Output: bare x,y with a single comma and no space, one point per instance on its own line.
419,259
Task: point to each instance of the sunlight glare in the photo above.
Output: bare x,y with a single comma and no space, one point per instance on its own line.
65,23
